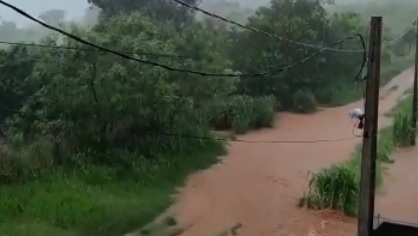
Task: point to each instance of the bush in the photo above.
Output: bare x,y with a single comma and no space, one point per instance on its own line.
402,129
264,111
335,188
385,148
22,163
338,187
338,94
242,113
304,101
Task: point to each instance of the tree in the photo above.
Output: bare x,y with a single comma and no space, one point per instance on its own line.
299,20
410,38
161,10
91,15
16,86
9,30
53,17
98,102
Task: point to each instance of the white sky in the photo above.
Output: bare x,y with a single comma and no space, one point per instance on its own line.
73,8
76,8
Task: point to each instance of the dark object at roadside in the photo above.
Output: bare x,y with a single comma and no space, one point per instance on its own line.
387,227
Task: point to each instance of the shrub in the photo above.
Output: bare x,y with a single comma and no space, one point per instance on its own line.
264,111
402,129
336,188
304,101
242,113
385,146
19,163
400,50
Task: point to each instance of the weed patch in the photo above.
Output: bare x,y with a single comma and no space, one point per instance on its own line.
98,200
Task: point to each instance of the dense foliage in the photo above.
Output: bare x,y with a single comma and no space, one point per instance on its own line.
80,118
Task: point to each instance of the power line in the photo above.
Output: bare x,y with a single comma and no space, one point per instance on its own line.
311,141
405,32
264,32
23,13
271,141
86,49
213,15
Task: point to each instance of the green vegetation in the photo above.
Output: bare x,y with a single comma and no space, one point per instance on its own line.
402,129
93,144
337,187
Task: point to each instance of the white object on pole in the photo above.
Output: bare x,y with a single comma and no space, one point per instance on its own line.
356,113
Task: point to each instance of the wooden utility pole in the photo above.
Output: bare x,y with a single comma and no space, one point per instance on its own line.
415,89
368,161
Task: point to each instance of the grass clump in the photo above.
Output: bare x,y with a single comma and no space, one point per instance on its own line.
385,146
336,188
402,129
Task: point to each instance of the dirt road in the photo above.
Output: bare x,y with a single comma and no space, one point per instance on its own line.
259,185
400,191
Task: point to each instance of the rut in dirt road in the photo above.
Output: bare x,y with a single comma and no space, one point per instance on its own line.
259,185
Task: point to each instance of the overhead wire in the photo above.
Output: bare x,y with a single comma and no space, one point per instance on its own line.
86,49
166,67
178,56
23,13
213,15
405,32
270,141
358,77
98,48
322,49
235,140
265,32
307,141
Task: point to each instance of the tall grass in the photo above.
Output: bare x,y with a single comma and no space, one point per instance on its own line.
386,146
402,129
94,200
337,187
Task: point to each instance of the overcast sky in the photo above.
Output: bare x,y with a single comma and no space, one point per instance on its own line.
74,8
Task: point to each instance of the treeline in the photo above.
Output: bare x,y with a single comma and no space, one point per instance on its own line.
11,32
91,101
